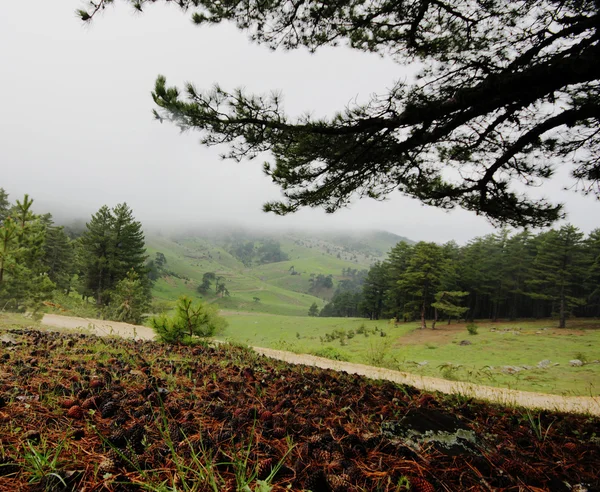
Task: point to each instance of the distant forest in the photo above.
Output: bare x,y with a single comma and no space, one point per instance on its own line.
104,261
555,273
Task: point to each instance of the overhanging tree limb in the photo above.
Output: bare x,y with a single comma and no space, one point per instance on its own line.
506,90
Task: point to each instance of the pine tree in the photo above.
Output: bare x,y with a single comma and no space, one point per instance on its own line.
112,245
506,92
448,302
592,278
190,320
4,205
95,253
313,310
59,257
129,300
23,277
396,264
422,278
374,290
559,269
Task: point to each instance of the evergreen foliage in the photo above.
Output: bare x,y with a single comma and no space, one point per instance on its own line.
207,280
129,300
557,270
313,310
507,91
112,245
23,273
156,266
555,273
4,205
59,257
190,321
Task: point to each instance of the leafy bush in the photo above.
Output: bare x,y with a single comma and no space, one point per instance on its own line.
472,328
189,321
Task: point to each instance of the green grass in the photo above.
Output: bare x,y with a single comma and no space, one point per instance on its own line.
278,291
470,363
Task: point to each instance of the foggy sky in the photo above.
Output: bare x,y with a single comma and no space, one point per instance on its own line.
76,129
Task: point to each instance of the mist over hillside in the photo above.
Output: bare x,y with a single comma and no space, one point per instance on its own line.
283,272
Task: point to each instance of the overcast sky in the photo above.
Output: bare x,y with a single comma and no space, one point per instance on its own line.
76,129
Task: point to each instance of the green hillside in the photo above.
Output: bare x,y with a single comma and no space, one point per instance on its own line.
256,283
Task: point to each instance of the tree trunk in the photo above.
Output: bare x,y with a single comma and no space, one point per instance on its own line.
435,318
423,322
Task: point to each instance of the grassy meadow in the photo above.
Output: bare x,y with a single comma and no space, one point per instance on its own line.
438,353
268,306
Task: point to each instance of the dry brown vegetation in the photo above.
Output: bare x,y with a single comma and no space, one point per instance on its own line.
83,413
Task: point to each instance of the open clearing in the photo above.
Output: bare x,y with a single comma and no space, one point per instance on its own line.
579,404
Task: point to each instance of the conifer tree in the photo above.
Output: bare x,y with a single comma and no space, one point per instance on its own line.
23,277
559,269
129,300
112,245
59,257
592,278
4,205
423,278
374,290
507,91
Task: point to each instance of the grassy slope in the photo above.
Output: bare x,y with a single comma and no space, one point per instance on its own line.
279,319
279,291
398,349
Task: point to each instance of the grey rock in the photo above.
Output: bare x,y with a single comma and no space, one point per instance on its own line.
575,363
544,364
8,339
511,369
466,342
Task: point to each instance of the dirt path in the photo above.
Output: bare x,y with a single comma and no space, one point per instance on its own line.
576,404
99,327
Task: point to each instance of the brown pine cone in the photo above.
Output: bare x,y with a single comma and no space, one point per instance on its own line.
338,483
570,446
96,383
264,468
90,403
69,402
75,412
421,485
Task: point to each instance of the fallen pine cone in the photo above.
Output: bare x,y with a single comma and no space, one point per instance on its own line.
75,412
421,485
68,403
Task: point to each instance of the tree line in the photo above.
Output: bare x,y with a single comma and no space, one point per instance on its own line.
555,273
105,263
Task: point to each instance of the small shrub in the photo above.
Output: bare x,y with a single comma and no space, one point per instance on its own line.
472,328
350,334
330,353
450,371
189,321
361,329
